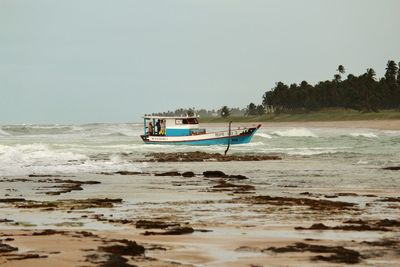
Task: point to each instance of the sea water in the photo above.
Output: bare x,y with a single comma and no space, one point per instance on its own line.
93,148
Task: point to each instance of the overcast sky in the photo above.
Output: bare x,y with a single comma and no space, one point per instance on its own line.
78,61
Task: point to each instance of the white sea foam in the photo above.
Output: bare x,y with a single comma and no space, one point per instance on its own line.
307,151
295,132
367,135
41,158
264,135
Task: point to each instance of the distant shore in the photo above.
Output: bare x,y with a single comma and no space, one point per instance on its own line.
384,120
320,116
370,124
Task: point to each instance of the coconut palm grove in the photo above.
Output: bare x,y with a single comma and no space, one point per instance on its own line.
363,93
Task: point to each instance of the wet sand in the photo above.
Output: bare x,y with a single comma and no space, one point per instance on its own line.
217,216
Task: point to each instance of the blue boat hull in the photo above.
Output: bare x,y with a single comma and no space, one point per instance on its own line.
234,140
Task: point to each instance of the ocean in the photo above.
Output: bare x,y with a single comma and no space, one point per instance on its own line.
93,148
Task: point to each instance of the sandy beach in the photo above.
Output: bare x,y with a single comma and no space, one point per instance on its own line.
301,194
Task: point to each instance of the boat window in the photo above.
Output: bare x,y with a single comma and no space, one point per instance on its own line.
190,121
186,121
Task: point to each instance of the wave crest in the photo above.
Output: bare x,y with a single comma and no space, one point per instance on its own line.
295,132
367,135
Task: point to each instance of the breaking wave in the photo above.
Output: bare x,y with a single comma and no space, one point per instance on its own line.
367,135
264,135
44,159
295,132
4,133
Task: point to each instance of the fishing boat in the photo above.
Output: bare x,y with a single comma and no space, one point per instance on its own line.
186,131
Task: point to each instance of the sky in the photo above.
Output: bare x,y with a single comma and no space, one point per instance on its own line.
82,61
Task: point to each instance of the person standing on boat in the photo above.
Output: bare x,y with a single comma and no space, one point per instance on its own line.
150,128
158,125
162,132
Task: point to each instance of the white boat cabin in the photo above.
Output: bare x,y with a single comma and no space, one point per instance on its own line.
172,126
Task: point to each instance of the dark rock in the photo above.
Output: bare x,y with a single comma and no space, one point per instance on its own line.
48,232
130,248
197,156
315,226
382,243
20,257
392,168
238,188
390,199
71,204
339,253
4,248
11,200
369,195
5,220
145,224
331,196
172,231
315,204
238,177
86,234
108,260
188,174
361,227
388,223
168,174
67,185
214,174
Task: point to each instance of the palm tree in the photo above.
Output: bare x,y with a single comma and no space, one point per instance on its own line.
371,73
225,112
260,110
337,78
251,109
341,69
190,112
391,71
398,76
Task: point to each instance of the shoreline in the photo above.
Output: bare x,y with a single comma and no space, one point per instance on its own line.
365,124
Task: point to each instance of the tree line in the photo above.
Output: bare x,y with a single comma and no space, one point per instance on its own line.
364,93
223,111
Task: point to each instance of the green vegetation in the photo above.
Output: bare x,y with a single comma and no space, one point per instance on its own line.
362,93
362,97
322,115
225,112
